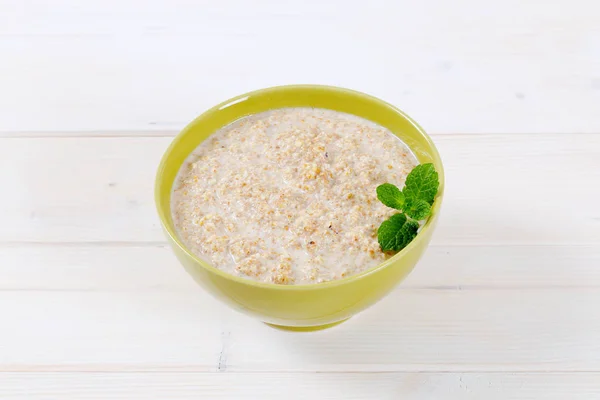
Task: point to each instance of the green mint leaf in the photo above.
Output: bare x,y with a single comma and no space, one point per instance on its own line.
390,195
415,201
396,232
422,183
417,209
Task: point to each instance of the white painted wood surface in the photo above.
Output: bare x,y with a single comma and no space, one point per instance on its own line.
462,66
504,305
352,386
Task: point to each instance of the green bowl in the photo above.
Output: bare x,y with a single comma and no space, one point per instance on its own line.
298,307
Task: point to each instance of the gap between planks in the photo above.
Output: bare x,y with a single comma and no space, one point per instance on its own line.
182,369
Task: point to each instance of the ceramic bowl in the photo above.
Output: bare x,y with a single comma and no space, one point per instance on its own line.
298,307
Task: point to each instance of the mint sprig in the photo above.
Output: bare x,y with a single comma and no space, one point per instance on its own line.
415,202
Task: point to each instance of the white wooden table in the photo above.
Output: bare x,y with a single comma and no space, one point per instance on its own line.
505,303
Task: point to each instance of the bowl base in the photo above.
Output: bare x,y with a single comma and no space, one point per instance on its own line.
306,328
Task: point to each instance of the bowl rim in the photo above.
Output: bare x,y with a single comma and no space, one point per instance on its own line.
170,231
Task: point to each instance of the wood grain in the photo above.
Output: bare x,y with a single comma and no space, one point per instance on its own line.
328,386
410,330
459,67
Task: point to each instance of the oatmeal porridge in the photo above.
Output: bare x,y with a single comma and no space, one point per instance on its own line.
288,196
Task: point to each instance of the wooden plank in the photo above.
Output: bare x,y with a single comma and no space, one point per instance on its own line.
513,266
92,268
80,189
411,330
154,268
455,67
416,386
500,189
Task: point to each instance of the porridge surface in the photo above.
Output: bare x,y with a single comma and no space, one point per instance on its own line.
288,196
